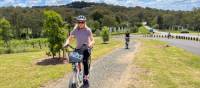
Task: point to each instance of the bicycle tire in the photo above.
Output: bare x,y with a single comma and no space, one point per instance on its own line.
71,84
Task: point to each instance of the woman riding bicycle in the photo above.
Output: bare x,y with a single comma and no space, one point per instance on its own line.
83,35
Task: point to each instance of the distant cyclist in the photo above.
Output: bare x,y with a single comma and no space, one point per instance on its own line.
83,35
127,39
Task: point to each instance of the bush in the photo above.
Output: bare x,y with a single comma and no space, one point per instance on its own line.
105,34
143,30
134,29
138,24
98,32
156,26
184,31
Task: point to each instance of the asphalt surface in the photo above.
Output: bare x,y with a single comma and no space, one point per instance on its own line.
107,72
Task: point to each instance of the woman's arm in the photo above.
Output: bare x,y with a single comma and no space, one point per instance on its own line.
68,40
91,41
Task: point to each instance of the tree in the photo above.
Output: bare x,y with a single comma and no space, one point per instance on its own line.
97,16
53,24
118,19
109,21
5,31
105,34
160,22
94,25
141,16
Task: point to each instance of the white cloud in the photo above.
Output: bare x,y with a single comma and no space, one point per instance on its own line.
55,2
7,2
31,3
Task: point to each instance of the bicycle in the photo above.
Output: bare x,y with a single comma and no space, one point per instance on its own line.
75,57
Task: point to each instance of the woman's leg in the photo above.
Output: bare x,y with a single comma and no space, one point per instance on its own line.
85,62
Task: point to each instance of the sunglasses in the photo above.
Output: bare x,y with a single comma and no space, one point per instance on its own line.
81,22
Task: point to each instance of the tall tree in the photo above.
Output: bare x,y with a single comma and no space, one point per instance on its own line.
160,22
53,24
5,31
97,16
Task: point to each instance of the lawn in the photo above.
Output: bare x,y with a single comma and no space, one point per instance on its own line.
166,67
21,71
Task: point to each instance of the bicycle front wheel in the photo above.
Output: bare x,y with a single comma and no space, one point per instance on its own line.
73,82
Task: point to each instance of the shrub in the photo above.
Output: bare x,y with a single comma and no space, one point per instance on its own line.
98,32
143,30
134,29
185,32
105,34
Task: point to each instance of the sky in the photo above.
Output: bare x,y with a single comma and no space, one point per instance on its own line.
160,4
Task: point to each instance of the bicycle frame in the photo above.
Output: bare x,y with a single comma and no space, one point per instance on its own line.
77,75
76,80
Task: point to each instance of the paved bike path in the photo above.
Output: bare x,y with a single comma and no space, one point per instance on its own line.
108,71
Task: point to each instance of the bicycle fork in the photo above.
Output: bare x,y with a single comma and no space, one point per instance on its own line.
77,74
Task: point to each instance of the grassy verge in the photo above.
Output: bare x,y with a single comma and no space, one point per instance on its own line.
20,71
167,67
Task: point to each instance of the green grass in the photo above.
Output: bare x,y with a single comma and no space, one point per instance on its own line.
20,70
167,67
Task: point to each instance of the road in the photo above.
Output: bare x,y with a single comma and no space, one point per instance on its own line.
173,34
109,71
191,46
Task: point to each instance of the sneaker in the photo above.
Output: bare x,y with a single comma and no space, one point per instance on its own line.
86,83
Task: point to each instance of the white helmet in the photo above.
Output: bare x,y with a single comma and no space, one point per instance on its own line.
81,18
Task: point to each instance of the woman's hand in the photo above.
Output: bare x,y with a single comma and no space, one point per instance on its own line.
91,45
65,45
68,41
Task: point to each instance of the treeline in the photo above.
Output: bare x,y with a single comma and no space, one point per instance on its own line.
28,22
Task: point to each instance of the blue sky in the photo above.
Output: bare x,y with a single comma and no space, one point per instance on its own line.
160,4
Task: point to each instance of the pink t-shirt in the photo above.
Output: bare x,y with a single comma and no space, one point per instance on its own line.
82,36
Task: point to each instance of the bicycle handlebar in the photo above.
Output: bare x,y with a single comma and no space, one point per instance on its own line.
69,46
84,45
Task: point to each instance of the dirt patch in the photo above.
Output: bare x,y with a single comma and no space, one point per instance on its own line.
51,61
